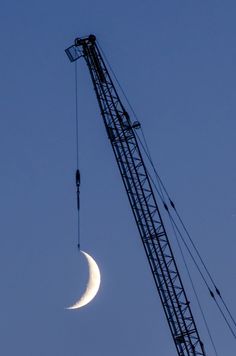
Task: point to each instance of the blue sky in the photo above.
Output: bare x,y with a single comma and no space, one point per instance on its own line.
176,62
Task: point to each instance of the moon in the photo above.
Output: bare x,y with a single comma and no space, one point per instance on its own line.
92,285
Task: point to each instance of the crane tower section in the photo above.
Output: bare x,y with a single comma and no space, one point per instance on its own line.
142,200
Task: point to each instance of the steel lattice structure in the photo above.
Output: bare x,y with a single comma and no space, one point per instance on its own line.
142,200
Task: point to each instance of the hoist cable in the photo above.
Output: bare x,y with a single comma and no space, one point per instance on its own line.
147,153
226,307
117,81
172,220
223,314
194,289
77,154
204,265
186,245
204,279
76,118
194,260
160,193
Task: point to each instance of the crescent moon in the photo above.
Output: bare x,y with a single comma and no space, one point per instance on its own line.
92,285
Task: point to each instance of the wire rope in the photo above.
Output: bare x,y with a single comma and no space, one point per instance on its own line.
173,223
76,117
77,154
161,195
194,289
147,152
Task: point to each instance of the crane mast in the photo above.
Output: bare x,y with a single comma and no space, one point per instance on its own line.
121,134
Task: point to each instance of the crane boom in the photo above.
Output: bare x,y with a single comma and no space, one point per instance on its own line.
142,200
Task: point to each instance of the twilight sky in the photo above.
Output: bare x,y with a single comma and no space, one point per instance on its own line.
176,62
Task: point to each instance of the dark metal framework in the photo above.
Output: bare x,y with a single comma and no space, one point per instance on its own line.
142,200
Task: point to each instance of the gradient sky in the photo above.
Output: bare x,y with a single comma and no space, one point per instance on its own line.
176,62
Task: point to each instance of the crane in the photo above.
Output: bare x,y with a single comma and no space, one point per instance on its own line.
140,192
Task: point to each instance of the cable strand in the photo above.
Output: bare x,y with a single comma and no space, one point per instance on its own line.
194,289
77,154
161,195
147,152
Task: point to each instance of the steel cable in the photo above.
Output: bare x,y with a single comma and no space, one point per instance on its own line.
161,195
